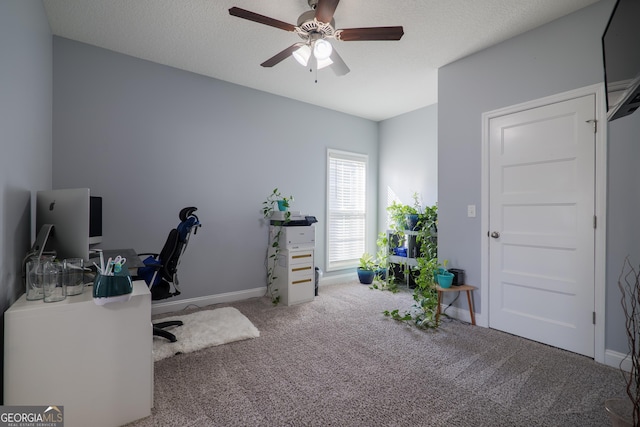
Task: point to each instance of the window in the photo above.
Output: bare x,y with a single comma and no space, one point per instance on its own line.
346,201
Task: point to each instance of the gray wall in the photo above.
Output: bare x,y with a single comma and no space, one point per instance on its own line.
408,159
623,213
152,139
25,133
561,56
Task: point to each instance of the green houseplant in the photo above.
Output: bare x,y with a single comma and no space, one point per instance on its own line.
398,213
366,269
269,206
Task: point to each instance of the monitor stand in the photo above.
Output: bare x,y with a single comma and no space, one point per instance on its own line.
41,240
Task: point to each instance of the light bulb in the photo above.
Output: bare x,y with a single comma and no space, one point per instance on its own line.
322,49
302,55
323,63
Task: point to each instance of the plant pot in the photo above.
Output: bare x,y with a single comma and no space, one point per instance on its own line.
366,276
445,279
412,221
439,270
283,205
620,412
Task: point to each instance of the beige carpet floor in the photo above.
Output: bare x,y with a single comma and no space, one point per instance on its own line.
337,361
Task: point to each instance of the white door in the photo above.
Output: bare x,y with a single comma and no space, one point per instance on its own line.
541,218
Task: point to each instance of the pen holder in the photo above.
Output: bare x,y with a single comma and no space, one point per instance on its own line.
112,288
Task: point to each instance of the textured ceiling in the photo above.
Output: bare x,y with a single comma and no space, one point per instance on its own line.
387,78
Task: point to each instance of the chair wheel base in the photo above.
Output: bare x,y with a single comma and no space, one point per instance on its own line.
158,329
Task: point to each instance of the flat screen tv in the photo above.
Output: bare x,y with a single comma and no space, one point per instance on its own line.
76,220
621,54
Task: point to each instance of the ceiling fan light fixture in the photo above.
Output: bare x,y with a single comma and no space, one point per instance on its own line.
323,63
322,50
302,55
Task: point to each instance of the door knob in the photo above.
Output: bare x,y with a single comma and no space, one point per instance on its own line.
495,234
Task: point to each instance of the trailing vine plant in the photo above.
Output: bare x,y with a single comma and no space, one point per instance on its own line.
269,206
384,279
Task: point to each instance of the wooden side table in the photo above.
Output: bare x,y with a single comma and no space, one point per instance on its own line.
459,288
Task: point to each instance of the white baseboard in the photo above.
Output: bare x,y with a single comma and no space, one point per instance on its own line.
616,359
338,278
457,313
171,306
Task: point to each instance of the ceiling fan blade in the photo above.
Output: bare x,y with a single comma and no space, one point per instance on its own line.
279,57
338,66
252,16
373,33
325,10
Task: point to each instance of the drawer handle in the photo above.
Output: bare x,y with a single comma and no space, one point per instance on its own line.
297,282
301,268
301,256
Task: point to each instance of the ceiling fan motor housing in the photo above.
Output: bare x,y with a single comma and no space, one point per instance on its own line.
309,27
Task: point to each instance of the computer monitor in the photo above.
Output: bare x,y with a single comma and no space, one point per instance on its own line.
70,211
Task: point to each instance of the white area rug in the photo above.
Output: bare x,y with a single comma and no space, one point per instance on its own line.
204,329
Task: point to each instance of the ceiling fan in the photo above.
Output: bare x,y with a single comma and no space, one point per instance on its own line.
313,27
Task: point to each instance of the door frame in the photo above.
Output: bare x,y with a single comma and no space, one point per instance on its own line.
600,204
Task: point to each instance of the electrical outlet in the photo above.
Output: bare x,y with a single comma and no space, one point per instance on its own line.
471,211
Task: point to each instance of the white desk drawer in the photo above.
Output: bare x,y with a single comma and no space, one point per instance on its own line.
301,270
301,257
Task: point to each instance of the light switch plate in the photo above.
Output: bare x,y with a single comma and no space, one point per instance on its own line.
471,211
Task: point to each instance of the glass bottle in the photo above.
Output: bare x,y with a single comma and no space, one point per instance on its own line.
54,287
37,270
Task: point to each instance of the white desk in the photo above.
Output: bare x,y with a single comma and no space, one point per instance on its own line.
96,361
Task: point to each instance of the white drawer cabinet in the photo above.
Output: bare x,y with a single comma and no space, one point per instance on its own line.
295,276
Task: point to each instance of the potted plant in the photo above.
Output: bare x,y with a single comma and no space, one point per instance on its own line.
414,214
626,412
276,199
442,276
398,213
284,203
445,279
366,269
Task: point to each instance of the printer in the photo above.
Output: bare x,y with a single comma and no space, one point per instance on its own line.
296,219
297,233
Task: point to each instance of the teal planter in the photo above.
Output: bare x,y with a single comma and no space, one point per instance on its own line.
438,271
282,205
366,276
445,279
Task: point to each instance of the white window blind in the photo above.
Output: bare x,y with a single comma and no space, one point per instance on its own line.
346,202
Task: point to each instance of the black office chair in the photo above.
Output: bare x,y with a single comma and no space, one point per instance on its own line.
161,270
